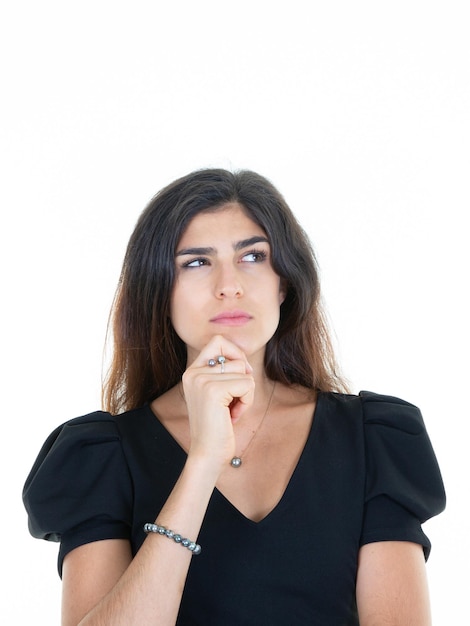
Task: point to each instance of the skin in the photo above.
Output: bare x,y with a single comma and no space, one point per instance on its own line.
218,272
214,416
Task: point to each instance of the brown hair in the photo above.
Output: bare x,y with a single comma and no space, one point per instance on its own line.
149,358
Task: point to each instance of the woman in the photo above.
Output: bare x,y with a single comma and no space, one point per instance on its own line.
228,425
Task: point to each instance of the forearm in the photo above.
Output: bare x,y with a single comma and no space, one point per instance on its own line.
150,589
150,586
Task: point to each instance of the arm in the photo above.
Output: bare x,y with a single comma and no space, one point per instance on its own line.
102,584
392,586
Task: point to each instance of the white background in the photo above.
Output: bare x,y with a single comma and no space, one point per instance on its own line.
357,111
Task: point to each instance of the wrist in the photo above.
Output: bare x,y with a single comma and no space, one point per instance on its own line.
202,467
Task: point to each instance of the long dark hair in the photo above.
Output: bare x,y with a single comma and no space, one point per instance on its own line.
148,356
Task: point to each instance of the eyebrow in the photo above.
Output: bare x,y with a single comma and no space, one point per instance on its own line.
239,245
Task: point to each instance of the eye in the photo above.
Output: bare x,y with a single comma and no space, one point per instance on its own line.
255,256
196,263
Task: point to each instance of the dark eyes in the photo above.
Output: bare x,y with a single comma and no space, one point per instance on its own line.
196,263
254,256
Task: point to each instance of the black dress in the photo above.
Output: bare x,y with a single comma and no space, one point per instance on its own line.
367,473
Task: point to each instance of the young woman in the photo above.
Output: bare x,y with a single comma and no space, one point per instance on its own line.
233,480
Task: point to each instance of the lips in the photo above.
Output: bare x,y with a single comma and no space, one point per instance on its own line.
231,318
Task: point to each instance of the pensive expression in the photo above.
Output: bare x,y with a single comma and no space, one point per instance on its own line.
225,283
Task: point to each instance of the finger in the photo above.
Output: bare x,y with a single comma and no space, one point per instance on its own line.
237,393
223,365
223,389
217,347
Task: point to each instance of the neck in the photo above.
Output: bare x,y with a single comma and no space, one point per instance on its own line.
237,460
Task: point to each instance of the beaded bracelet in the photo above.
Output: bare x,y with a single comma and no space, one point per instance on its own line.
192,546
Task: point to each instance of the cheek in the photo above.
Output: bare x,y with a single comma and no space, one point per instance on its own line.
179,322
184,309
176,306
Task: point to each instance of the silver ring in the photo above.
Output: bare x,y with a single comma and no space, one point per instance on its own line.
221,361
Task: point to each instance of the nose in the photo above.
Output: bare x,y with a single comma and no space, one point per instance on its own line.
228,284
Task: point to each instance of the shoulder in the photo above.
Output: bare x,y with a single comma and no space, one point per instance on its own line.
98,427
374,408
98,430
404,486
93,426
398,449
90,429
77,468
386,410
400,458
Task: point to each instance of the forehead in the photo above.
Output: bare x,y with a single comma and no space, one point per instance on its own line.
230,219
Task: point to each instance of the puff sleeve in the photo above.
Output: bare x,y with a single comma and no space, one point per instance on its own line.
79,489
404,486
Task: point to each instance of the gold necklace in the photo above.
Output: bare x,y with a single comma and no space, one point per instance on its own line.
236,461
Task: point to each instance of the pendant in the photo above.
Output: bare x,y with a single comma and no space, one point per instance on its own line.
236,461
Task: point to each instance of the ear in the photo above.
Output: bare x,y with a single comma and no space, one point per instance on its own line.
282,290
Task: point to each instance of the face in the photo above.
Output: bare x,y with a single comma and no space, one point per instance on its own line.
225,284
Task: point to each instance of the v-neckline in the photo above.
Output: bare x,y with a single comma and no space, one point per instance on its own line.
292,478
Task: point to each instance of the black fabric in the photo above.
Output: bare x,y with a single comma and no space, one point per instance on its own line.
367,473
